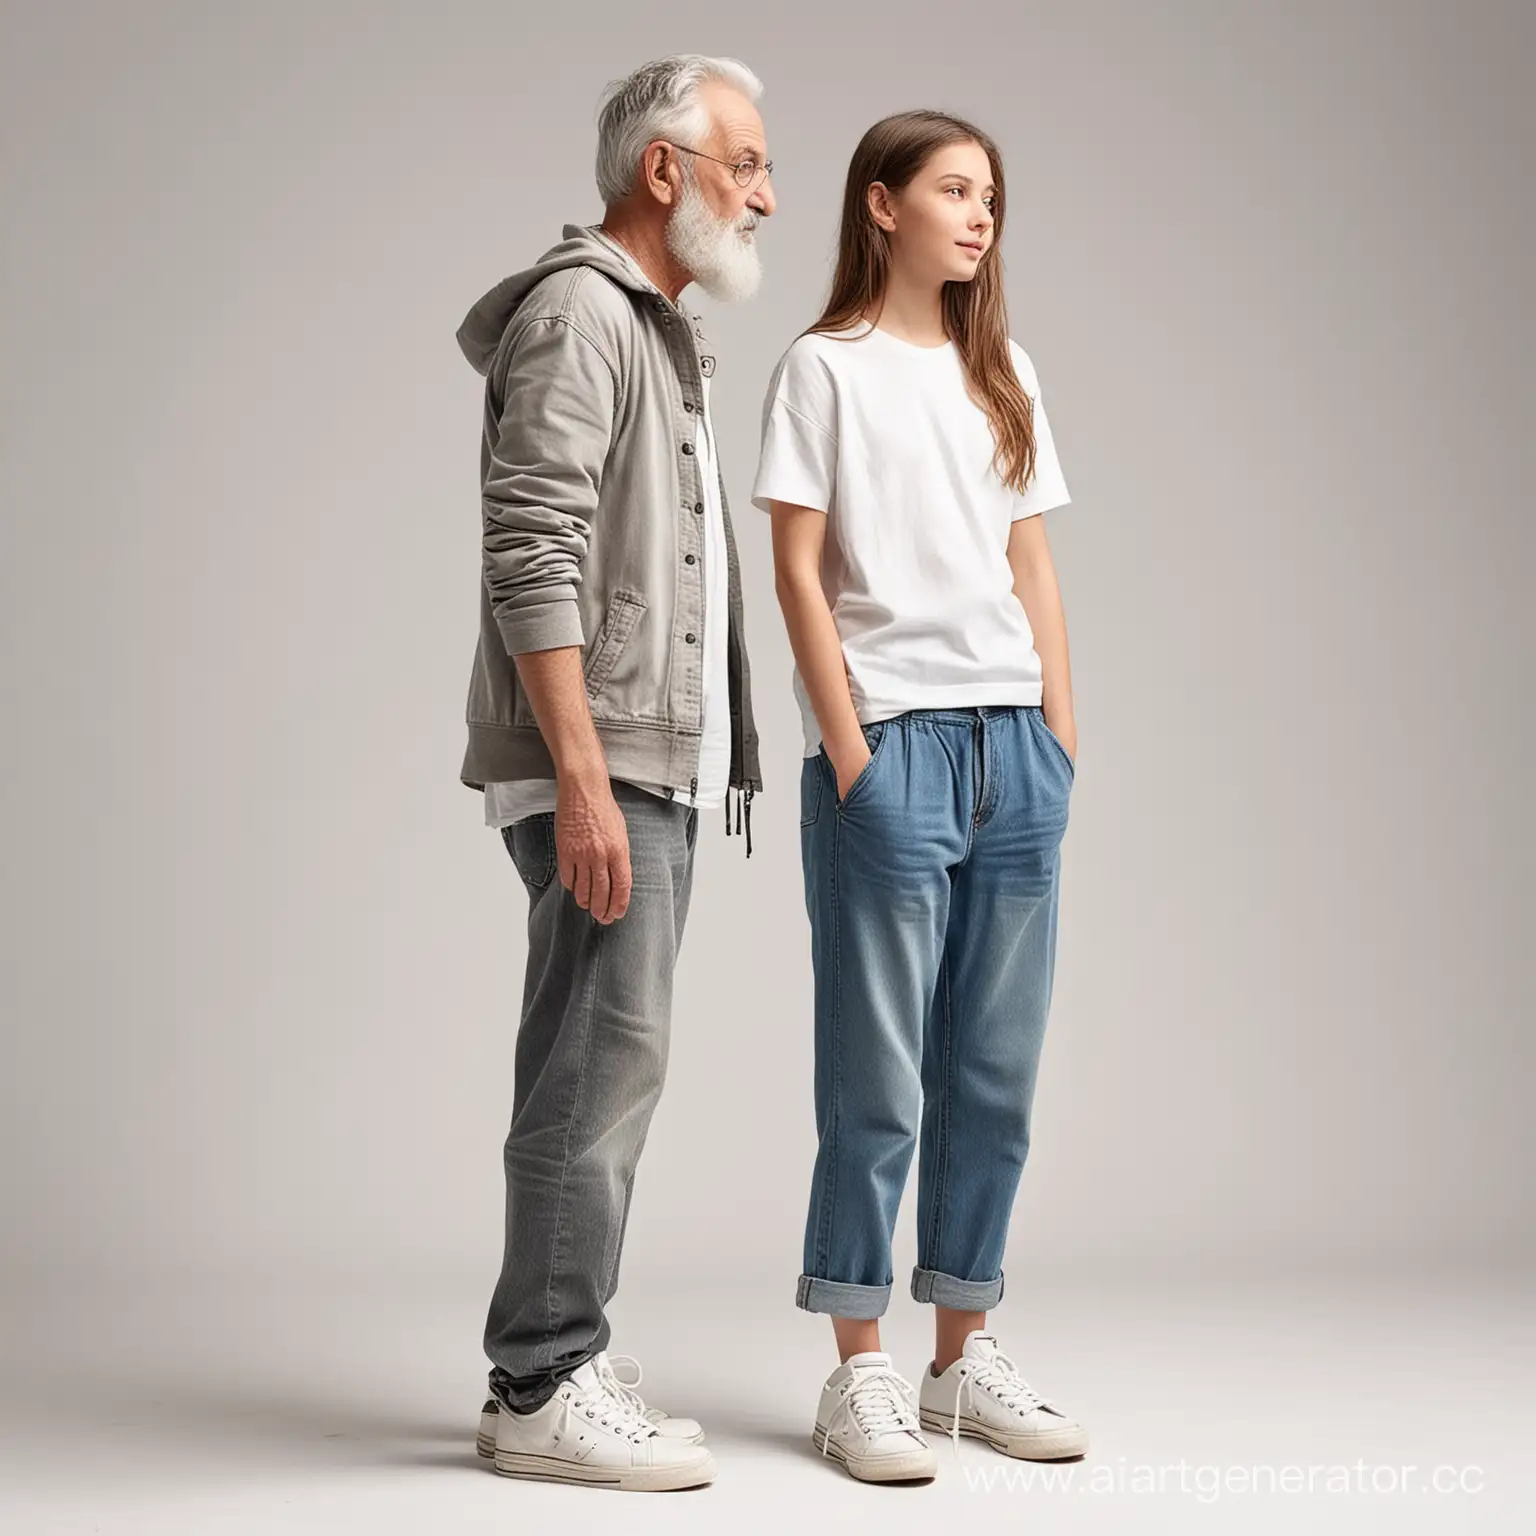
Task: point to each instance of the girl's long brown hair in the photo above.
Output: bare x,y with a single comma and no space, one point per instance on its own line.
975,313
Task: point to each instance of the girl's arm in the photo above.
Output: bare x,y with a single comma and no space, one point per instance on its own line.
1036,587
798,535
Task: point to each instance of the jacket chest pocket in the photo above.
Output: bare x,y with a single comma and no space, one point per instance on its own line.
625,609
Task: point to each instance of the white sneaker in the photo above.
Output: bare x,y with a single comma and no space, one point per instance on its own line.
983,1395
866,1420
666,1426
589,1433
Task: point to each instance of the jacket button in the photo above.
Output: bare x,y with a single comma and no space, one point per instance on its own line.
688,560
687,405
689,638
687,447
698,506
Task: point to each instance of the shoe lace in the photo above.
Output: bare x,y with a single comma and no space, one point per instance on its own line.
1000,1379
609,1409
623,1390
878,1400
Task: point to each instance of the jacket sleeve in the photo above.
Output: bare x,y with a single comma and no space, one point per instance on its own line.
542,483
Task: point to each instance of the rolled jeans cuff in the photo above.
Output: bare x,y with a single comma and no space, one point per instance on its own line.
839,1299
958,1295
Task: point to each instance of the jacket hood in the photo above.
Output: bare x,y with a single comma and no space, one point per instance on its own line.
580,246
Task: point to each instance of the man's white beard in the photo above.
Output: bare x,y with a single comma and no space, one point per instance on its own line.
713,250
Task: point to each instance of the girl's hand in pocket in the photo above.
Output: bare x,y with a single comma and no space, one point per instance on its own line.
848,772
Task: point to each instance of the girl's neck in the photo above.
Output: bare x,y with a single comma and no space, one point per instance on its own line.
911,310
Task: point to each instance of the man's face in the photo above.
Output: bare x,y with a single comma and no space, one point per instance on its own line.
736,134
712,228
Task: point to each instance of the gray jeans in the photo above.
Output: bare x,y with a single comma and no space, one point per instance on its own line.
591,1057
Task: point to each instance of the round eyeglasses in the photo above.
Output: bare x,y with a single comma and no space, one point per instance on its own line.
748,172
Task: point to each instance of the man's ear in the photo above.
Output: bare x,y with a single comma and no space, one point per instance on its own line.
658,170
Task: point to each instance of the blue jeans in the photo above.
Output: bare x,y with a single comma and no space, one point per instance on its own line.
932,895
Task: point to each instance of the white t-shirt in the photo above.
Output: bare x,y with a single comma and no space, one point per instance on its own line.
881,435
516,800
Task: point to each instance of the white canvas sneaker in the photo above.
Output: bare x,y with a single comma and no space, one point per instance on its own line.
983,1395
666,1426
867,1421
588,1433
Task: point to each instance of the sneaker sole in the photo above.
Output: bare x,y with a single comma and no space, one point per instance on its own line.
916,1466
485,1438
1061,1445
553,1469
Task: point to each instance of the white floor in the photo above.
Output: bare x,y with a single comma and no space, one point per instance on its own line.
213,1409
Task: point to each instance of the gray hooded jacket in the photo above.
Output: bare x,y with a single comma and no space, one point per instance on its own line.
593,519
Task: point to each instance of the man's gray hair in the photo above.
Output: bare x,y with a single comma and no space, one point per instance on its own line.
660,100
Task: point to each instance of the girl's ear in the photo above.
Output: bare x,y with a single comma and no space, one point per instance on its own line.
878,198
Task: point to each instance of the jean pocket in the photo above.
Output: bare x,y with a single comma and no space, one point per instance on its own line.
1055,741
811,779
531,842
874,738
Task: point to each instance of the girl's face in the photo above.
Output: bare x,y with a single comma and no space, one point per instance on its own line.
941,221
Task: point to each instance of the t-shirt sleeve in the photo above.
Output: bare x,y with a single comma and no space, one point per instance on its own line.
798,462
1047,487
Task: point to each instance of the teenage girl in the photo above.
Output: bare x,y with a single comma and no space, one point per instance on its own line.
906,460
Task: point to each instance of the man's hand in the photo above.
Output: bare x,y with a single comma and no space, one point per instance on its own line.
591,838
592,845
